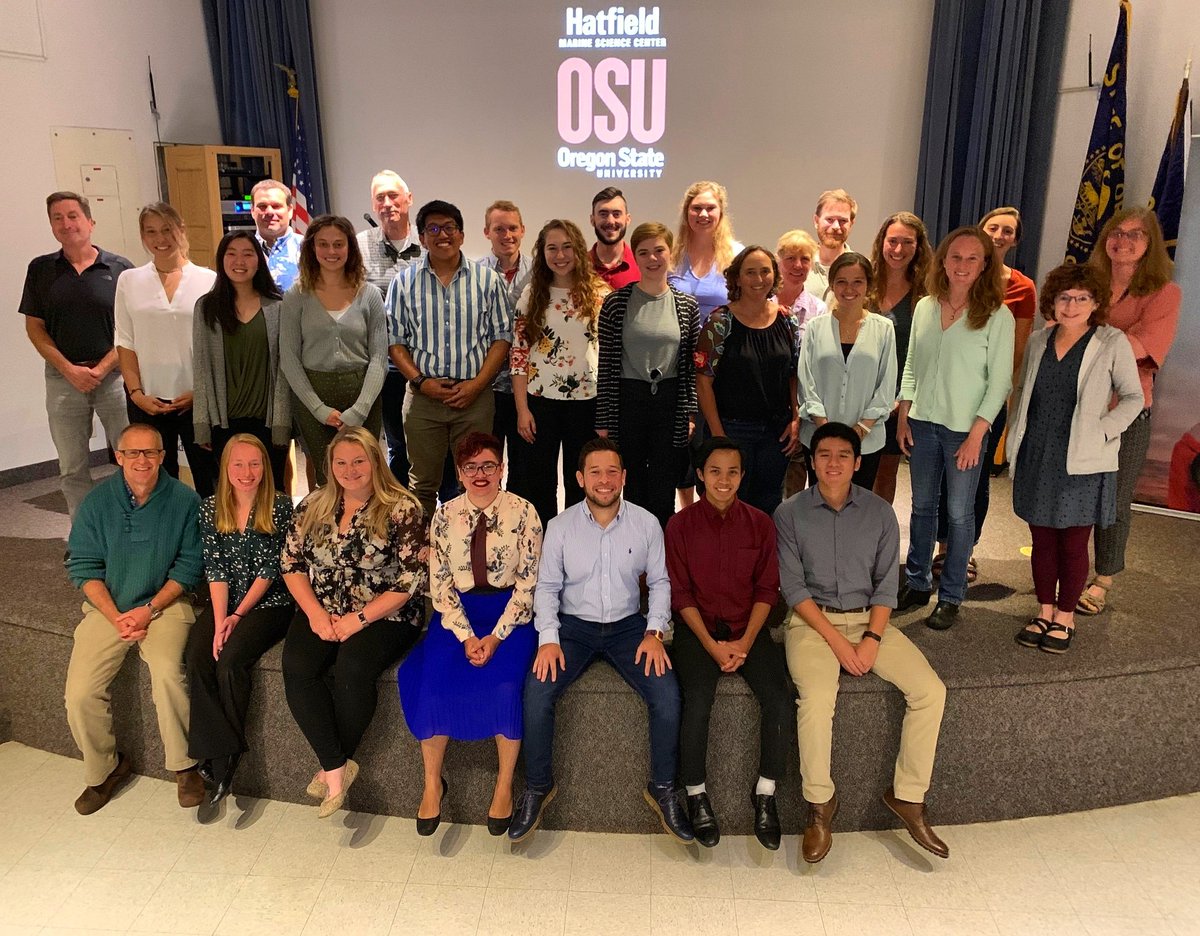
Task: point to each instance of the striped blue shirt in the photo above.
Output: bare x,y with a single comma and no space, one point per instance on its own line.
449,329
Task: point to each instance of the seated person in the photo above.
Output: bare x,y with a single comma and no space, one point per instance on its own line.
724,582
465,679
587,604
839,548
134,550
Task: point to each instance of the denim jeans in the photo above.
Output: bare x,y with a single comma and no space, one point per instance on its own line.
765,464
581,642
932,458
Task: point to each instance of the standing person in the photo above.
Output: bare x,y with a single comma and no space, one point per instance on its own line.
466,678
833,220
611,257
724,582
848,367
235,346
354,556
838,549
271,208
387,251
704,246
242,528
1145,306
900,258
450,328
956,377
746,380
333,339
1065,442
68,307
646,380
134,552
587,605
554,354
154,306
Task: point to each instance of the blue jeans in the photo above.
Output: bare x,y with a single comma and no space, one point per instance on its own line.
581,642
932,458
765,464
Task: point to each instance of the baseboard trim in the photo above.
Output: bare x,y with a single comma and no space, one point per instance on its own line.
22,474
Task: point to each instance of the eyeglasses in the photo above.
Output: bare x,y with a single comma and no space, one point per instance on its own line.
1137,234
138,453
487,469
1065,299
433,230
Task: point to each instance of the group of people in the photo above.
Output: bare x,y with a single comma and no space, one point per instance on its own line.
657,366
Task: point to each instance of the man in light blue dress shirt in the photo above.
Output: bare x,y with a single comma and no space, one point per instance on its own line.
587,605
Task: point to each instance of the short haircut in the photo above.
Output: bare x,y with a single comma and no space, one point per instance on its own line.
390,176
502,204
266,184
55,197
835,430
650,229
1006,210
718,444
850,258
733,272
473,443
143,427
836,195
797,242
438,207
608,194
598,445
1076,276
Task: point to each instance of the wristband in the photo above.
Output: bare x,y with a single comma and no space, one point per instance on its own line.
865,429
657,634
874,636
416,382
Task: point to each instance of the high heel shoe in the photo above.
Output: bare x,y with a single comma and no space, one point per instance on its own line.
430,825
225,785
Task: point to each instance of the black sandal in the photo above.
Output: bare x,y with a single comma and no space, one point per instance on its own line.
1050,644
1033,638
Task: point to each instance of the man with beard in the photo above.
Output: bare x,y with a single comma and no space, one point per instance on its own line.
611,257
833,220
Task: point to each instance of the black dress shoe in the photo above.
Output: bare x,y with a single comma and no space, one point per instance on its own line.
704,823
943,617
665,802
911,598
528,813
766,820
430,825
205,769
225,785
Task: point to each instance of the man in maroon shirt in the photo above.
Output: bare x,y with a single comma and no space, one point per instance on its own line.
611,257
724,582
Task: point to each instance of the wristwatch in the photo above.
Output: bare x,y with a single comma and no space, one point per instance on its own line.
416,382
363,619
871,635
155,613
657,634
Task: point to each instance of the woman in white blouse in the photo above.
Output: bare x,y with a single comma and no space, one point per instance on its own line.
153,307
848,366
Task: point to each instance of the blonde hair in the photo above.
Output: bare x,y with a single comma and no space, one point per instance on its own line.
648,230
797,241
264,497
722,233
987,292
173,219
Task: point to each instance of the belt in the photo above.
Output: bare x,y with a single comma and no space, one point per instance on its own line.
830,609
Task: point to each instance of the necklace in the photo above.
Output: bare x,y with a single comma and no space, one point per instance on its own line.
955,313
162,272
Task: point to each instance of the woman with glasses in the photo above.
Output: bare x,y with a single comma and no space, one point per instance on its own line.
466,678
333,339
1144,304
1064,442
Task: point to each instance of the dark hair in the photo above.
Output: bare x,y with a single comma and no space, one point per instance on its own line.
608,194
598,445
718,444
219,306
438,207
586,294
835,430
1076,276
55,197
917,266
355,270
850,258
473,443
734,271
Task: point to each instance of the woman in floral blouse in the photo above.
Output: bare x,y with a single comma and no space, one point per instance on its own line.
354,557
553,364
465,679
242,527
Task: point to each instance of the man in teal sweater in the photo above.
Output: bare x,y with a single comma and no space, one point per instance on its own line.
134,550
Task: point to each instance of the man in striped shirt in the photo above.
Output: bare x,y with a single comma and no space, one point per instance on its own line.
450,327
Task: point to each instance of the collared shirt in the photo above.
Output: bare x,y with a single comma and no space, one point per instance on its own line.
621,273
386,259
722,565
806,308
514,545
283,258
76,307
449,329
817,282
516,286
841,558
591,572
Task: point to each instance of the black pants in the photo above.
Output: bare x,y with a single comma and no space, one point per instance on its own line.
504,428
868,468
765,673
174,429
220,689
983,490
334,718
560,424
394,388
653,465
257,428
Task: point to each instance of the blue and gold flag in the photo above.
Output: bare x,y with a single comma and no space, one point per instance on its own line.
1102,185
1166,198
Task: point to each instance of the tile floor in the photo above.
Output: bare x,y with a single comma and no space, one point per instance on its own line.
143,865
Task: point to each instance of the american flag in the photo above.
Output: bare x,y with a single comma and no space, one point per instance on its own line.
300,176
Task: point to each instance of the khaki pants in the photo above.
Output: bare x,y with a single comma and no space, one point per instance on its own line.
431,429
815,671
96,657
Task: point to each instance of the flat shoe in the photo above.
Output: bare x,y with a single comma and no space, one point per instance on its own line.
332,804
1051,644
317,789
1033,638
1090,604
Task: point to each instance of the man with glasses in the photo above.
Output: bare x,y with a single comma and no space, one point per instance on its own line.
450,327
134,551
271,206
611,257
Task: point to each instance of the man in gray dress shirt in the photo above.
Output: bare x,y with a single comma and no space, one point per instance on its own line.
839,550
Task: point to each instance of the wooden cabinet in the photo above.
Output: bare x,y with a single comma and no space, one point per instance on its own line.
210,186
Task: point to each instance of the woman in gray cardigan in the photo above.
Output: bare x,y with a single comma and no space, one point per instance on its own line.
333,339
235,356
1064,441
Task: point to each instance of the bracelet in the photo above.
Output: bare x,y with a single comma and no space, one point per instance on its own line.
363,619
135,390
874,636
236,614
864,428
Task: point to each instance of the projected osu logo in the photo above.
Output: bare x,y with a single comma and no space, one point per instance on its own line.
612,100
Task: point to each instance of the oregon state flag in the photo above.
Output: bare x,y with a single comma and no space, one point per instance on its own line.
1102,185
1166,198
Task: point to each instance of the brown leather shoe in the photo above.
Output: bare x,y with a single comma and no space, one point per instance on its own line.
913,817
190,787
818,834
94,798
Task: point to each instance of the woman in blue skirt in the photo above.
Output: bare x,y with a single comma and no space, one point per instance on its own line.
464,680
